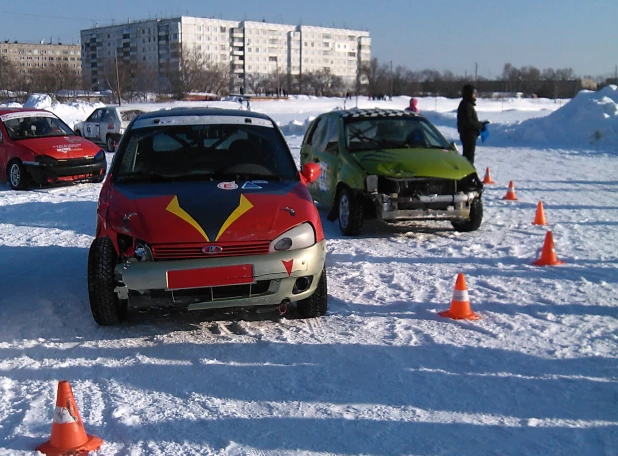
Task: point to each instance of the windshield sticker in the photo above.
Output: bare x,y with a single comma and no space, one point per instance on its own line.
250,186
227,185
24,114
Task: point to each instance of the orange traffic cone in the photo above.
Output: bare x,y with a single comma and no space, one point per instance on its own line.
510,193
68,435
539,218
460,304
548,254
487,179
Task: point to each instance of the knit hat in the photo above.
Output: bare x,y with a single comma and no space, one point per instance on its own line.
467,91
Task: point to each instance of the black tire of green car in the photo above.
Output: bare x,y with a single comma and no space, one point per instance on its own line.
106,308
476,217
16,175
316,304
350,213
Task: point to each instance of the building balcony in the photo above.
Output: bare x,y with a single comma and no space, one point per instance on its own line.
237,43
238,52
238,70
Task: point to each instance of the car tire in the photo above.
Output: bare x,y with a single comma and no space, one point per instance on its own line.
111,144
16,175
349,213
476,217
315,305
107,309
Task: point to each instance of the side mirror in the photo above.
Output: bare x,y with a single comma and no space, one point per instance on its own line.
453,146
311,172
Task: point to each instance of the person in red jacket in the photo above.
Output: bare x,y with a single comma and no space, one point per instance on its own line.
413,105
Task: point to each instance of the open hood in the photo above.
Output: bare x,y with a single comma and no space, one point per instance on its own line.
407,163
61,147
205,211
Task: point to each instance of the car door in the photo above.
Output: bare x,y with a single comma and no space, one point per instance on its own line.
326,151
92,126
4,153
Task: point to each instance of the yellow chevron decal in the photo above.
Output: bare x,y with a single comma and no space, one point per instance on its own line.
178,211
243,206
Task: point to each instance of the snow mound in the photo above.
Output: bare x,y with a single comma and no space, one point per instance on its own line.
38,101
588,120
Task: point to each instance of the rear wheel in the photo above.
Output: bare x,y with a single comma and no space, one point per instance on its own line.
350,212
17,175
107,308
111,144
476,217
316,304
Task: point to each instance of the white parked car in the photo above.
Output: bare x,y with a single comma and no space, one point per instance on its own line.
106,125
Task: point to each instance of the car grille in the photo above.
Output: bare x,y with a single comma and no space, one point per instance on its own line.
414,187
189,251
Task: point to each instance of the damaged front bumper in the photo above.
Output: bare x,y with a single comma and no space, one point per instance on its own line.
212,283
423,207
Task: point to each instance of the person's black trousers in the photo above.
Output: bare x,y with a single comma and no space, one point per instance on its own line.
468,142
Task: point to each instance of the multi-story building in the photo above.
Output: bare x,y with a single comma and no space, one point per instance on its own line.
247,49
29,57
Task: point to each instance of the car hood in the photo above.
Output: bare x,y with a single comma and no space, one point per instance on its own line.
204,211
406,163
61,147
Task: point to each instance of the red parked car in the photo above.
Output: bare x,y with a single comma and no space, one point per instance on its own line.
36,147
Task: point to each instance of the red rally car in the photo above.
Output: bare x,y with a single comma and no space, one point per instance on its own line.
36,147
203,209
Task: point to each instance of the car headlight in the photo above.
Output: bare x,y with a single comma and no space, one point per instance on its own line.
100,156
299,237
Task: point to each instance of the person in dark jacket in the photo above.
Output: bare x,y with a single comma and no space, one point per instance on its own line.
468,123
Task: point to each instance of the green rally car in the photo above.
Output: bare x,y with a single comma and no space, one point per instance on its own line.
392,165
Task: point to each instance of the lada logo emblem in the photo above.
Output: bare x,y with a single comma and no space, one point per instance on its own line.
212,249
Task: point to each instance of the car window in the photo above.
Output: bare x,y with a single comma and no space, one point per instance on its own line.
107,115
392,132
95,116
28,127
129,115
330,138
316,131
211,151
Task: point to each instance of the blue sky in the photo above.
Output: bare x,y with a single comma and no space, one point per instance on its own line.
450,35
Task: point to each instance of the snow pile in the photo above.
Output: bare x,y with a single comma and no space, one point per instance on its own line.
38,101
590,120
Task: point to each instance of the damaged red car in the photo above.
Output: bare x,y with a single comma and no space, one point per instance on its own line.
206,209
36,148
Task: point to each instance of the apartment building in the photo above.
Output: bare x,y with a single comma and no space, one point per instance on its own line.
28,56
246,48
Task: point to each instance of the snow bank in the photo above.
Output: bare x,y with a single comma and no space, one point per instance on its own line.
590,120
38,101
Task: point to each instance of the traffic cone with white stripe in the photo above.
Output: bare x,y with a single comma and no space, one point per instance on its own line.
487,179
68,436
460,304
510,193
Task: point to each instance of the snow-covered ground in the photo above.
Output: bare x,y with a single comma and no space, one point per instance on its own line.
382,372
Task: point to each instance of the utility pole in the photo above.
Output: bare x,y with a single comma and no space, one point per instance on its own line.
117,79
476,72
392,77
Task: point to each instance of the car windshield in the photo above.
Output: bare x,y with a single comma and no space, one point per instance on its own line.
129,115
30,126
392,132
221,151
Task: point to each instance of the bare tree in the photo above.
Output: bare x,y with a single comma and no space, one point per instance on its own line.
324,83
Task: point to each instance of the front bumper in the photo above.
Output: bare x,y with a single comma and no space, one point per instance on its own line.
275,279
50,173
424,207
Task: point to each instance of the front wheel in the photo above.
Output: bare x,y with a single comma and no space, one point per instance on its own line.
476,217
107,309
350,212
316,304
17,175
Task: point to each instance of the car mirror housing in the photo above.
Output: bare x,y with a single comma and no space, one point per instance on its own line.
311,172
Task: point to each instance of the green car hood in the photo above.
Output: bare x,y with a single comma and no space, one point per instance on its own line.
406,163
